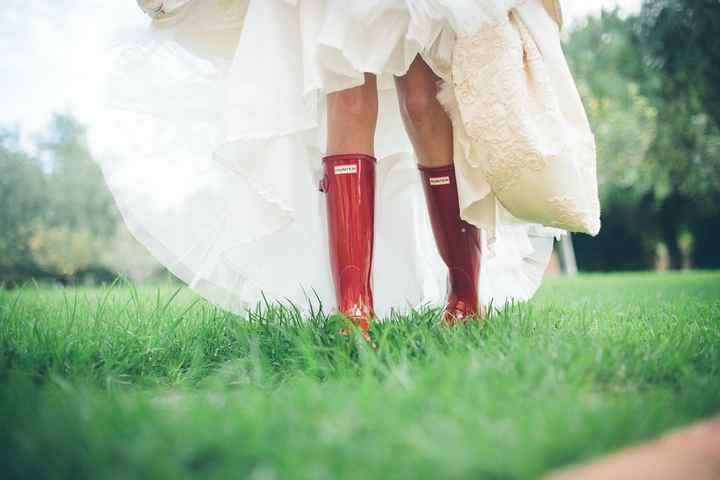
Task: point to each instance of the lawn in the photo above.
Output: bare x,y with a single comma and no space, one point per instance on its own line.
128,382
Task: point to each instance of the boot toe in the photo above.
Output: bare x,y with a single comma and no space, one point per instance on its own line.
461,311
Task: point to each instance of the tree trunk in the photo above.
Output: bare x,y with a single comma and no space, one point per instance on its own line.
671,215
567,256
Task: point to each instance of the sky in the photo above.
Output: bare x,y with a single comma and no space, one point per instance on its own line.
52,53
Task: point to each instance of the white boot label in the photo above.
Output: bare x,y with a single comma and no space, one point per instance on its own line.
345,169
440,180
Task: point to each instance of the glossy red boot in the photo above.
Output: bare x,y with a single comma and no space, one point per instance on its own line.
349,186
458,243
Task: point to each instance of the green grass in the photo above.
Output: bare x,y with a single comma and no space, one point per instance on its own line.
139,383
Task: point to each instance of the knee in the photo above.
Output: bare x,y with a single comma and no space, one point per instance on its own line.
355,104
420,106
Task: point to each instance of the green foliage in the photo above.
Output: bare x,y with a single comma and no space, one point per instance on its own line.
606,60
681,41
650,85
23,198
57,213
66,250
128,383
79,197
682,48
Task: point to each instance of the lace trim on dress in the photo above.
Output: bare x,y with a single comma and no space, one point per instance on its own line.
515,132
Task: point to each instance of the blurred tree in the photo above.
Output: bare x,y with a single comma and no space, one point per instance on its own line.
682,45
658,141
681,41
78,196
58,219
23,198
80,215
65,250
605,58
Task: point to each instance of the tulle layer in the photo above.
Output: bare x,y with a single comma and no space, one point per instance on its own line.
215,143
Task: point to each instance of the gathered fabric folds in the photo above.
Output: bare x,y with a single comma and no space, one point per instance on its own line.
214,141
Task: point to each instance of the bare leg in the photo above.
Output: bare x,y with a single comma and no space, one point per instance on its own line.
426,122
352,118
349,186
458,242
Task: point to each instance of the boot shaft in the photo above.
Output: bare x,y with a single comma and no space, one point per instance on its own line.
458,242
349,185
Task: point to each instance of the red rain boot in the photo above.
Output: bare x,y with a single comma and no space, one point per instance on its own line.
349,184
457,241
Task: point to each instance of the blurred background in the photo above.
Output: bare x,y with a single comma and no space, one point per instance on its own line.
649,74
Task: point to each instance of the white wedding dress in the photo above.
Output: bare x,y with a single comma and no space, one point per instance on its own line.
218,116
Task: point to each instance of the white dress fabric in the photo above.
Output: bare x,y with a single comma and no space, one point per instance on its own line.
218,116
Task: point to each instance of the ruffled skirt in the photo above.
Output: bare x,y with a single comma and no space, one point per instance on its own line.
215,138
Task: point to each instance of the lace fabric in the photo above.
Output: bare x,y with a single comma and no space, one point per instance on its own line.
538,161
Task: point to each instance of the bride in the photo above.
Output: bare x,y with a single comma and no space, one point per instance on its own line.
372,155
